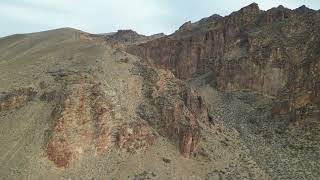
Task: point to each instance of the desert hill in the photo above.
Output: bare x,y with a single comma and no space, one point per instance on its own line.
234,97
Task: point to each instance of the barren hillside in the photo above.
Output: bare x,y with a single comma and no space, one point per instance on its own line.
234,97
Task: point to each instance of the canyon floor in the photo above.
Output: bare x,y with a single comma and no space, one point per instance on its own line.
71,109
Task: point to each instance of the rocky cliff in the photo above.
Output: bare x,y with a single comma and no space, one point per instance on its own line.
274,52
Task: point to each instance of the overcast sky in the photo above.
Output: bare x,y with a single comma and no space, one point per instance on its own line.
100,16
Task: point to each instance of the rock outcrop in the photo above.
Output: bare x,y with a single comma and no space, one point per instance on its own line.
12,100
173,109
126,37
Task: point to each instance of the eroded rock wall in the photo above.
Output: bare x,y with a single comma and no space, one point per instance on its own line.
274,52
173,109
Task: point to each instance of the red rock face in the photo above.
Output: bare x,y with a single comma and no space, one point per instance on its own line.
275,52
102,114
83,122
71,135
